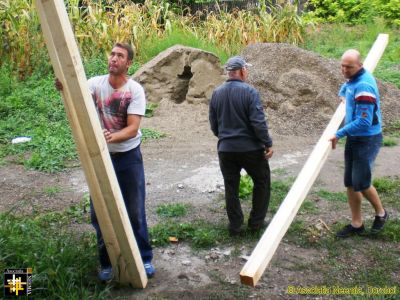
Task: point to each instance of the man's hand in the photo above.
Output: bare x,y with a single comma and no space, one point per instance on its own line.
58,85
108,136
268,152
334,140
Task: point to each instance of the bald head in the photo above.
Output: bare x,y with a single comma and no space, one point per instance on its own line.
351,63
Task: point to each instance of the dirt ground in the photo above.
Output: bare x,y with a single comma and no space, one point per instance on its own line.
183,168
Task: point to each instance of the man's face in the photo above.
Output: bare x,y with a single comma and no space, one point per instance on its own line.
118,62
350,66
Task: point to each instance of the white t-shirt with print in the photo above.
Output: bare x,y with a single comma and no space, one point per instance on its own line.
114,105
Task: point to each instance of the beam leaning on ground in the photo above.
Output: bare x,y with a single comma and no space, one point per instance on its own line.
269,242
92,148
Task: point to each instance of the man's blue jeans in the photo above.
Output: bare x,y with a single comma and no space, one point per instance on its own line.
359,156
129,169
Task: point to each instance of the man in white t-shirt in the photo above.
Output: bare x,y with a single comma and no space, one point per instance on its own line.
121,103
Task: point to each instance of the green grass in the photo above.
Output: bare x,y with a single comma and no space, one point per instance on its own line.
332,196
308,207
178,37
389,142
386,184
173,210
331,40
34,108
63,263
279,190
151,134
199,234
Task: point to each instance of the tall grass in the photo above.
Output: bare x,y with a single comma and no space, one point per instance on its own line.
97,26
21,42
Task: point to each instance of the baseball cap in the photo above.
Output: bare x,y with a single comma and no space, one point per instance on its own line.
236,63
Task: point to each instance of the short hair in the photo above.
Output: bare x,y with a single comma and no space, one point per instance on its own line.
127,47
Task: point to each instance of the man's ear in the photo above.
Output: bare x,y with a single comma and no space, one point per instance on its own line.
242,73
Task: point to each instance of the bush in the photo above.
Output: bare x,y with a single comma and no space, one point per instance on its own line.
353,11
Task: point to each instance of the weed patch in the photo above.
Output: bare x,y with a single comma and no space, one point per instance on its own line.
389,142
332,196
386,184
173,210
308,207
245,186
63,264
150,109
148,134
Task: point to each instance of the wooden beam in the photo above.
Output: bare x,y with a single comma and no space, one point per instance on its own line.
269,242
83,153
92,148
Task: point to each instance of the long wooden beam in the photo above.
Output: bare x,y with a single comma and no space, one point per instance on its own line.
92,148
269,242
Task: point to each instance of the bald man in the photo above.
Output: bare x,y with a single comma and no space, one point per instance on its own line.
363,132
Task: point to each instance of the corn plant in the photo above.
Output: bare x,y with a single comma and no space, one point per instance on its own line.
22,46
98,24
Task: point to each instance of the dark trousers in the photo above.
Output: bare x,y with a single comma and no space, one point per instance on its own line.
129,169
255,164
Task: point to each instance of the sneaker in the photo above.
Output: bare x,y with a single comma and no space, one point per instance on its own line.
105,274
379,222
150,270
349,230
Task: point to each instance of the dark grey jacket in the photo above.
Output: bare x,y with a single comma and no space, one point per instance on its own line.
237,118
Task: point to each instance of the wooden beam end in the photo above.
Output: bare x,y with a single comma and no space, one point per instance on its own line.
247,280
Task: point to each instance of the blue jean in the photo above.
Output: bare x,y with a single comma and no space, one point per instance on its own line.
258,169
359,156
129,170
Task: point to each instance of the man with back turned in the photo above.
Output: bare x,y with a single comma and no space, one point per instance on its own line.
237,118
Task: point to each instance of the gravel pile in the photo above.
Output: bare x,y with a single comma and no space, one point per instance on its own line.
299,88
